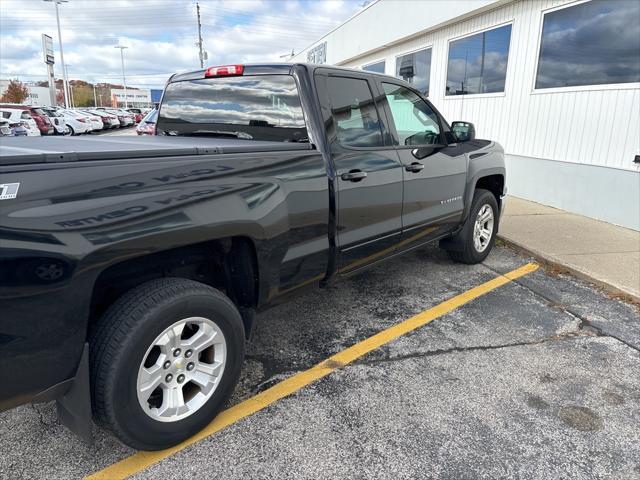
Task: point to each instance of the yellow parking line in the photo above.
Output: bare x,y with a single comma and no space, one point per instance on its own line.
141,460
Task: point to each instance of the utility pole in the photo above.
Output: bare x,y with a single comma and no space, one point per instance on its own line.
95,100
65,84
124,80
200,52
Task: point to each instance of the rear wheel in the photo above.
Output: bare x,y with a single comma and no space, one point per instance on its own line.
478,235
164,359
71,130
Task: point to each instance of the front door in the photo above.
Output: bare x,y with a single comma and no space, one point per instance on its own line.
369,175
434,182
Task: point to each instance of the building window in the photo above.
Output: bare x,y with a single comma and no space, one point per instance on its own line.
375,67
415,68
592,43
354,112
478,63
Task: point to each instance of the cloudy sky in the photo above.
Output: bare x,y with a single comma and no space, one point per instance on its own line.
160,34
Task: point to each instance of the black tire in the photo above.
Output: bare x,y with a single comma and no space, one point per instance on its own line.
467,253
72,132
123,335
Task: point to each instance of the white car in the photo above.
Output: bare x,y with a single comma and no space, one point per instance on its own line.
58,121
5,128
96,122
76,123
22,117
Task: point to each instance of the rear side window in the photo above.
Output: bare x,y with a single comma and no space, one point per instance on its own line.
354,112
6,115
25,115
259,107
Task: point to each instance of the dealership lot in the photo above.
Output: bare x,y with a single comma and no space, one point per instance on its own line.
539,378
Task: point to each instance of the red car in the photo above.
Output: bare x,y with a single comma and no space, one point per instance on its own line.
137,113
42,119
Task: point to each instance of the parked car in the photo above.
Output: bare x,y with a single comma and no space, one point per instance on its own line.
147,125
109,120
155,253
137,113
96,122
8,129
23,118
123,117
42,120
76,123
58,121
18,130
5,128
130,117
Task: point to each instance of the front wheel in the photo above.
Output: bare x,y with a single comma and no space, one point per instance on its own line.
164,359
478,234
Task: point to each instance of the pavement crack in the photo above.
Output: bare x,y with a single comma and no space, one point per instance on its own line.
445,351
40,416
584,323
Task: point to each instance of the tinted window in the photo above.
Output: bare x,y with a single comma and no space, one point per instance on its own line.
375,67
593,43
6,115
26,116
151,116
415,68
478,64
416,122
354,112
261,107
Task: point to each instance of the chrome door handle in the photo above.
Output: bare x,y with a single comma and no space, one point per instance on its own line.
353,175
414,167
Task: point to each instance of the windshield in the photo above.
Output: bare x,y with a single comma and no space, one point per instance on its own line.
260,107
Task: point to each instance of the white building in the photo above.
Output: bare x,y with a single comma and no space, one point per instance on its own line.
135,98
556,82
37,95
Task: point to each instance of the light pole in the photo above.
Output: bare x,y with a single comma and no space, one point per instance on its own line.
70,103
65,85
124,80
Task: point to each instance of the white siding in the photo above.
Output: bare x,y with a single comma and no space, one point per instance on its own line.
570,148
594,126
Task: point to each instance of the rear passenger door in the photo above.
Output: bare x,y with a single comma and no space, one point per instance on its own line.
369,175
434,181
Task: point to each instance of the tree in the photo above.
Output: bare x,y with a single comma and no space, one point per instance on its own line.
17,92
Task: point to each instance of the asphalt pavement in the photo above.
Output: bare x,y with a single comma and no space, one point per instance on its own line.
537,379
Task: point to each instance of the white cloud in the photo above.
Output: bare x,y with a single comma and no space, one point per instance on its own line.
160,34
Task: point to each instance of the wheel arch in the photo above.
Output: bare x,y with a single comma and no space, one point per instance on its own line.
492,180
229,264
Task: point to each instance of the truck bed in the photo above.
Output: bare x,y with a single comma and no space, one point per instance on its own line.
27,150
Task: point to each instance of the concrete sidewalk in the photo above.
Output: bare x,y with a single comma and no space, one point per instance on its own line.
600,252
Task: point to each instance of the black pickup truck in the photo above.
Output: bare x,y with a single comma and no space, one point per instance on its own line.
131,269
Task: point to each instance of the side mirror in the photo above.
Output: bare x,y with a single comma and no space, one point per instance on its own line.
463,131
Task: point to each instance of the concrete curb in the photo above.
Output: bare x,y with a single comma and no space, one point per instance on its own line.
549,260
